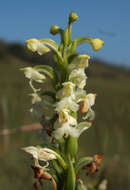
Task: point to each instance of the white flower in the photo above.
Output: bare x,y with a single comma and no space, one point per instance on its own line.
37,46
42,154
97,44
80,61
78,77
64,116
87,103
33,74
65,129
67,90
35,98
67,103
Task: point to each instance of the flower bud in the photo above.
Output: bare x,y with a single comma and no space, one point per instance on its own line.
97,44
73,17
54,29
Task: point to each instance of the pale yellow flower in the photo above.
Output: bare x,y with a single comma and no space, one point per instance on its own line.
35,45
67,90
80,61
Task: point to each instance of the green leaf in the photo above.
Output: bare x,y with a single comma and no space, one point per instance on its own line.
45,69
82,162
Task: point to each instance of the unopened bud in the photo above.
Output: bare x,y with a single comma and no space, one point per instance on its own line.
73,17
97,44
54,29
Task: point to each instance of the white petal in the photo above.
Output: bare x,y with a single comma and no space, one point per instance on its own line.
90,115
31,150
91,99
78,77
35,98
45,155
80,95
37,46
67,103
66,130
59,132
32,74
64,116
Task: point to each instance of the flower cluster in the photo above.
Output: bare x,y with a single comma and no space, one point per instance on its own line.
73,99
59,114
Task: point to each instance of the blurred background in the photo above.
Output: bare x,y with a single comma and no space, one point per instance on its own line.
108,76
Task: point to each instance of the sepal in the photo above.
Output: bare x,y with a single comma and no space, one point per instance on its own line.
45,69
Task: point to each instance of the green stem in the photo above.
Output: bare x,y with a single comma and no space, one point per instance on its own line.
71,178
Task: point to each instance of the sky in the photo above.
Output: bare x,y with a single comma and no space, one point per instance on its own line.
108,20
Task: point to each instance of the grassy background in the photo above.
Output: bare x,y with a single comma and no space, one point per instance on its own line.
109,134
